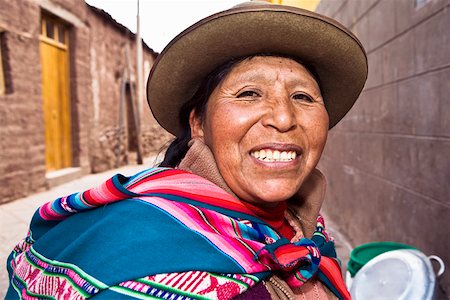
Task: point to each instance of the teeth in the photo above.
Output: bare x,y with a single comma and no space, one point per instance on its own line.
262,153
275,155
293,154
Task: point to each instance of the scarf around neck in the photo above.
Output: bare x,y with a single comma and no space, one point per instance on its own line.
161,221
305,205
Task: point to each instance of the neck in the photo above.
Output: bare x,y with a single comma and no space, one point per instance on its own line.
305,204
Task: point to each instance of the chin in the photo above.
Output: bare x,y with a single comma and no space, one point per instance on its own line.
272,197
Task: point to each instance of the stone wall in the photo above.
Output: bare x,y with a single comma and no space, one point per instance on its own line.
387,162
101,134
22,160
113,84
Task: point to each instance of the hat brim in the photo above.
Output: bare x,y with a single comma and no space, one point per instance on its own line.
335,54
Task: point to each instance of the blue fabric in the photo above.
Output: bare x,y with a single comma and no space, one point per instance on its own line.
127,240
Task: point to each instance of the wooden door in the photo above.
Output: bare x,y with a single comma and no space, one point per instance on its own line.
55,93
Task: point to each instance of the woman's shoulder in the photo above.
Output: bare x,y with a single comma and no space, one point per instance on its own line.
119,226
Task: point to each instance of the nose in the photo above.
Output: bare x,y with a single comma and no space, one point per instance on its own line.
280,115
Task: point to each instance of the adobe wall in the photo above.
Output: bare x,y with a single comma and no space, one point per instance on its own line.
387,162
22,159
112,54
96,51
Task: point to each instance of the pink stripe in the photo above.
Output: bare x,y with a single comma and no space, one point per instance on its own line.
226,228
197,282
228,245
199,279
176,279
102,194
169,278
183,280
47,213
185,182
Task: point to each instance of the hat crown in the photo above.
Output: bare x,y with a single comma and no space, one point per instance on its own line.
334,54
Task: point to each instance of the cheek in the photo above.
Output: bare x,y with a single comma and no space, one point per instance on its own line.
318,130
218,128
227,124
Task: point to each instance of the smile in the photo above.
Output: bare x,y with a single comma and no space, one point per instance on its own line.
270,155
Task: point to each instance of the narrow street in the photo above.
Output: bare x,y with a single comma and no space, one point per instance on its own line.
16,215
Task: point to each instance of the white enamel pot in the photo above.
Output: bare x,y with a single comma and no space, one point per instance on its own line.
399,274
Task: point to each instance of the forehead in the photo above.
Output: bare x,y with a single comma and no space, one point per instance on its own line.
271,68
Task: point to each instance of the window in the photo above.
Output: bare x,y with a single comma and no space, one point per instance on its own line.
2,74
5,74
54,31
420,3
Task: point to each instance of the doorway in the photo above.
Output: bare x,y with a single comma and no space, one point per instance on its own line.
54,52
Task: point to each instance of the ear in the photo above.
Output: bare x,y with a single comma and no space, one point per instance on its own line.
196,125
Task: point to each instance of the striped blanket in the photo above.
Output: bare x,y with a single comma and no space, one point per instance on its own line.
163,233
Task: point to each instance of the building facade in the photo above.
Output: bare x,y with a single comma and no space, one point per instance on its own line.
387,162
68,100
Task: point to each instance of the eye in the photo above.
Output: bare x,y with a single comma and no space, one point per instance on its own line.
248,94
303,97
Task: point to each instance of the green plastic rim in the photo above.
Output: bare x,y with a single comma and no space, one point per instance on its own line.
364,253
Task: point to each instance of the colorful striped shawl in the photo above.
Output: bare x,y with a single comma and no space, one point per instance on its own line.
160,221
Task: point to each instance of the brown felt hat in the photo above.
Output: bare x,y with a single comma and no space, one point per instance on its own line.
333,53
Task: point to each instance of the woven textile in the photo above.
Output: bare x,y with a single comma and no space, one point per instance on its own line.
163,233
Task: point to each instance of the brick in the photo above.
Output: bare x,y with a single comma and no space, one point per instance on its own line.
375,77
22,141
432,40
374,111
387,161
371,156
355,115
404,15
358,8
370,208
339,150
384,109
361,29
418,164
408,16
342,16
398,58
381,23
328,7
419,105
444,103
345,202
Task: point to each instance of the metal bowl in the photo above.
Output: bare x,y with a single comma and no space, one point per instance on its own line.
398,274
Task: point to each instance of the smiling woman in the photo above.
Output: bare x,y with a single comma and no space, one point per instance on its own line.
233,210
271,106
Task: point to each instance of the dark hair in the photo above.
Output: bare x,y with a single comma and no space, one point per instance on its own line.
179,146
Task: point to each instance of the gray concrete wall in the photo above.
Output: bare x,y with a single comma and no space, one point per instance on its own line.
388,162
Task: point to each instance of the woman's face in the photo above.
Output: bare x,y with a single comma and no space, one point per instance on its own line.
266,125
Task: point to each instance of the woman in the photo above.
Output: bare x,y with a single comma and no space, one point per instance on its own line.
233,210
